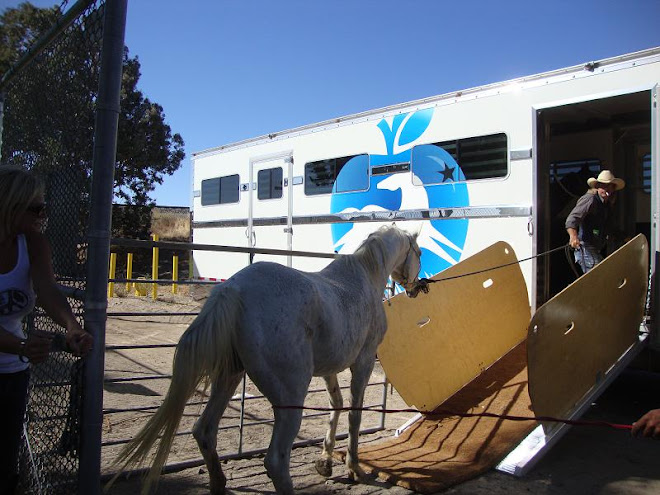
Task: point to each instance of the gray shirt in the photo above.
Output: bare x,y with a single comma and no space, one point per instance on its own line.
591,218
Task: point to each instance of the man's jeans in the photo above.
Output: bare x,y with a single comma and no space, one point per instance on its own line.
587,257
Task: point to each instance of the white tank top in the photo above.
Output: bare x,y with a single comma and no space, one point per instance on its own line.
16,301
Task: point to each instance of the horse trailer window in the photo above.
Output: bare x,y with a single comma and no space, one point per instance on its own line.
474,158
269,183
345,174
220,190
574,173
646,173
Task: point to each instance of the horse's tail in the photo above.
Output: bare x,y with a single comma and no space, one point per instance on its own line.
204,354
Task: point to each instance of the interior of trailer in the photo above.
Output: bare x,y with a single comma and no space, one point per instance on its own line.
575,142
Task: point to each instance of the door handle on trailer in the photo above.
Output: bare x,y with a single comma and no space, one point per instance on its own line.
252,242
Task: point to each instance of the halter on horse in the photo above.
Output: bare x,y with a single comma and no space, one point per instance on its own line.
282,326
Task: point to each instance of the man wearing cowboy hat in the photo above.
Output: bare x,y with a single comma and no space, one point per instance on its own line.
589,222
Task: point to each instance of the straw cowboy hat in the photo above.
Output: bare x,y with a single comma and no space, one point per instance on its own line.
607,177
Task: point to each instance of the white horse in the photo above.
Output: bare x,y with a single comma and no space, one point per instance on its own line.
282,326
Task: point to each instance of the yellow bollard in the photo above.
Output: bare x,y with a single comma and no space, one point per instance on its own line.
113,267
129,272
175,272
140,288
154,268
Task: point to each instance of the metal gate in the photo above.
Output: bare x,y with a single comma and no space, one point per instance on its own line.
59,113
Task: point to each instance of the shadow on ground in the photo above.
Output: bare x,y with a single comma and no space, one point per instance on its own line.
587,460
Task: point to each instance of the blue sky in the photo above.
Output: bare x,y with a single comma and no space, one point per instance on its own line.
230,70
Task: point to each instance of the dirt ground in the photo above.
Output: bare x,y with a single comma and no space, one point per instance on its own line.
587,460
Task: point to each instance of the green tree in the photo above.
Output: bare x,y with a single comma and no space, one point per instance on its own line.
49,110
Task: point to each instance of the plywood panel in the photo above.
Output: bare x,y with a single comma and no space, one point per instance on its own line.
576,337
438,342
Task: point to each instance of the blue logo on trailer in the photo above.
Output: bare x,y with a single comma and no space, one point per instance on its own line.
442,241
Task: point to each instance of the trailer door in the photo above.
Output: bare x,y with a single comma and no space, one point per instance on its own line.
270,208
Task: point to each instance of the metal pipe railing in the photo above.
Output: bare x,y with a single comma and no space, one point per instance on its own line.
98,235
198,403
136,378
243,398
185,246
180,466
152,313
141,346
241,419
240,427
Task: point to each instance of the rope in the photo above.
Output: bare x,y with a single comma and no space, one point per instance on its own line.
428,281
571,261
440,412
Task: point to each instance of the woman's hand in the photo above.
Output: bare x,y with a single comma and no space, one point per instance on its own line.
37,348
78,342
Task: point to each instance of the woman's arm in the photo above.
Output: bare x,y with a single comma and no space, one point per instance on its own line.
49,296
35,348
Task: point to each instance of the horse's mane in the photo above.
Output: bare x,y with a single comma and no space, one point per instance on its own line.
372,252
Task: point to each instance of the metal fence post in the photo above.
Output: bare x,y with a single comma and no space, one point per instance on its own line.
2,118
100,218
154,267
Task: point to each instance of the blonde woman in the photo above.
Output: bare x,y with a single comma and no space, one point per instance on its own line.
26,278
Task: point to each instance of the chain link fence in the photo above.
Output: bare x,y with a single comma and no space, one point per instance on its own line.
48,122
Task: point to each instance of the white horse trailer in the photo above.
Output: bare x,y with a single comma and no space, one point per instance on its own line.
502,162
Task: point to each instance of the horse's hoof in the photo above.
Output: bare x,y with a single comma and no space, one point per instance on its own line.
324,467
357,475
218,488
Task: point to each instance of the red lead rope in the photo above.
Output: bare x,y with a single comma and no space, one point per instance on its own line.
439,412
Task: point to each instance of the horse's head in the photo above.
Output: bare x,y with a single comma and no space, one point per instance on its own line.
406,274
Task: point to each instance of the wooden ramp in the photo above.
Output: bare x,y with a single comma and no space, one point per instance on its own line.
436,343
581,332
579,341
433,454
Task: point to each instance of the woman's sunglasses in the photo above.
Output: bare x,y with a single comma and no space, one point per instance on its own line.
37,209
